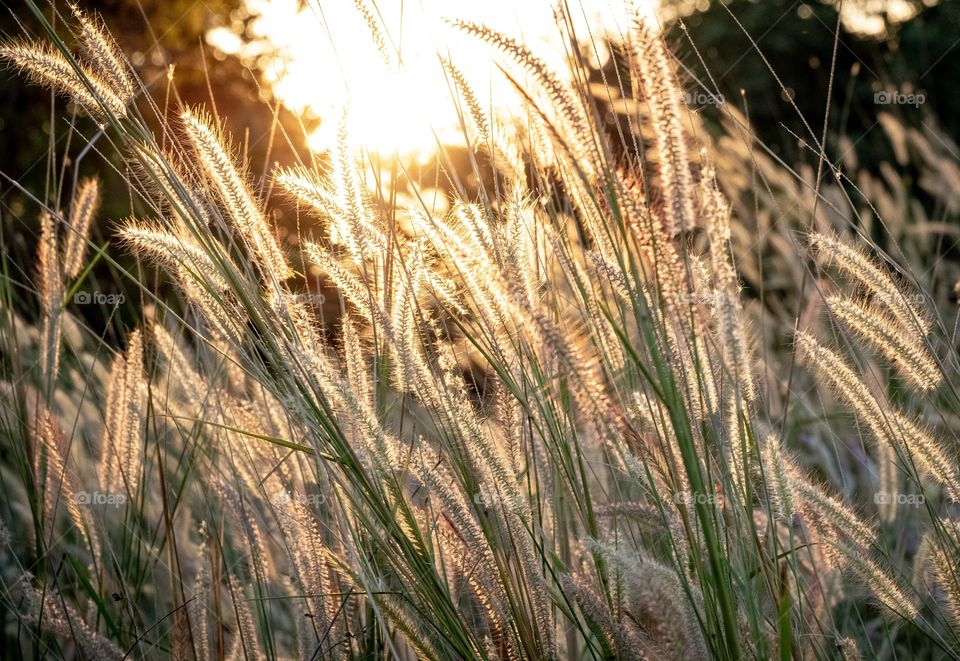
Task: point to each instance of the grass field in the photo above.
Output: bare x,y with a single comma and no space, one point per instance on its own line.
637,391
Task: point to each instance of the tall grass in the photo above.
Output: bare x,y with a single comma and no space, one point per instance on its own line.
539,427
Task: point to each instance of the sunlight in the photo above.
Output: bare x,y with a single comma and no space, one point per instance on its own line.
618,387
324,61
320,58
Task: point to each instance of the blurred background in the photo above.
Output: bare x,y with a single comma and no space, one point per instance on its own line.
278,73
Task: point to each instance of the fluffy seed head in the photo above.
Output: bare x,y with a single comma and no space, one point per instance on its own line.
104,54
779,488
854,263
239,203
85,205
176,253
51,69
887,589
905,350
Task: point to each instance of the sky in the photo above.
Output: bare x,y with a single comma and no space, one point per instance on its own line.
320,58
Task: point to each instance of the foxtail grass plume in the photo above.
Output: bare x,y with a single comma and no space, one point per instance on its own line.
945,572
783,501
849,650
887,589
177,253
887,466
885,423
60,483
626,644
810,497
49,607
51,69
577,134
898,346
728,315
104,54
236,196
654,71
375,28
121,457
51,298
469,98
842,379
854,262
85,204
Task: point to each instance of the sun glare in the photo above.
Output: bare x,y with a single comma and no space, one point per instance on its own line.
321,61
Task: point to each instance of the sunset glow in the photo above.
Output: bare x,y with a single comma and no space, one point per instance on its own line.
320,59
324,60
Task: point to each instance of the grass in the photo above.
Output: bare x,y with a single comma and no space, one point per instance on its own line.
544,423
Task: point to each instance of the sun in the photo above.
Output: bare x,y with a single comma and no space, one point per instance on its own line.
321,60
